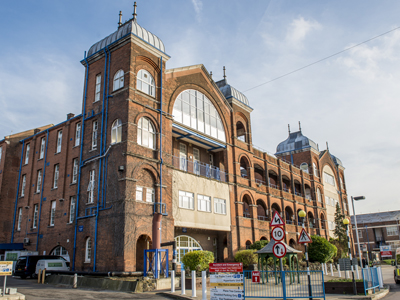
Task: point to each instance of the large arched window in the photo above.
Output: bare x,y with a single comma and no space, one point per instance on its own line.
145,83
88,249
116,131
118,80
192,108
185,244
146,133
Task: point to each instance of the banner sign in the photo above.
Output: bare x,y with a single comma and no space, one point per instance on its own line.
6,268
386,251
226,294
226,267
226,280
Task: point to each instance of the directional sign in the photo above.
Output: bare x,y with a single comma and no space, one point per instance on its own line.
226,267
279,250
255,276
277,220
278,234
304,237
6,268
226,280
226,294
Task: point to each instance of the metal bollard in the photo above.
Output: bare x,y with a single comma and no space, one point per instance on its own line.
172,281
75,284
193,283
322,268
204,285
338,268
326,269
183,292
38,275
43,275
358,274
331,269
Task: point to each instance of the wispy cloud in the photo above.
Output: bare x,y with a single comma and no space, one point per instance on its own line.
299,29
198,6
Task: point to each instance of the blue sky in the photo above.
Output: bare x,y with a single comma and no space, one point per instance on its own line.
349,100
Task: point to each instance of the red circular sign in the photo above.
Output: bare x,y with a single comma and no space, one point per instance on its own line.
278,234
279,250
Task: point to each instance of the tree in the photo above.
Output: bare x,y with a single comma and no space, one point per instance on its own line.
321,250
198,260
258,245
340,228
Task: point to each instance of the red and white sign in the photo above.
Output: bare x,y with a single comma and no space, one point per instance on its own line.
386,251
304,237
279,250
278,234
226,267
255,276
277,220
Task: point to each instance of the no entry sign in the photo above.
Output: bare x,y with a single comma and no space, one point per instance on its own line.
278,234
279,250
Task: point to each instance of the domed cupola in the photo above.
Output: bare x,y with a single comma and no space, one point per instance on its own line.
126,29
295,142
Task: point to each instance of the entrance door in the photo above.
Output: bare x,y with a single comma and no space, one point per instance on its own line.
182,157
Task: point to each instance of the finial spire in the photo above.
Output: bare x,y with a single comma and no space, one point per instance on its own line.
224,73
288,126
211,74
327,146
299,126
120,19
134,12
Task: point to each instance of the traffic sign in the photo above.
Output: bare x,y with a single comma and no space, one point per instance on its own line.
255,276
278,234
279,250
304,237
277,220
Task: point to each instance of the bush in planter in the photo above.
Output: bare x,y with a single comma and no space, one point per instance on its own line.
320,249
247,257
198,260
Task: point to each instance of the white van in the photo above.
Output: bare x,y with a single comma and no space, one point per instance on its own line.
51,265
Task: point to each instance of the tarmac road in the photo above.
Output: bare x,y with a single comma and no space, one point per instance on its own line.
387,273
34,291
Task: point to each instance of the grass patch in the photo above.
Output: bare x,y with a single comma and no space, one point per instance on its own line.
387,261
344,280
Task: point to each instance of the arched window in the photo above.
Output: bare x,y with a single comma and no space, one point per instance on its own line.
289,215
319,195
248,244
192,108
240,131
244,167
146,133
315,170
262,212
145,83
118,80
185,244
311,220
116,131
88,250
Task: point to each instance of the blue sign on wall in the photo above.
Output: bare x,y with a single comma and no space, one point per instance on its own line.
184,229
80,228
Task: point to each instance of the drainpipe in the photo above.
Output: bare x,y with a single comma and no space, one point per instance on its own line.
41,192
16,199
80,159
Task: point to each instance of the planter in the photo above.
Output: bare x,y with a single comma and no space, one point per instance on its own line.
188,283
343,287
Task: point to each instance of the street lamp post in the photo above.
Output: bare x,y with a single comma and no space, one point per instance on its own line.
302,215
355,222
346,222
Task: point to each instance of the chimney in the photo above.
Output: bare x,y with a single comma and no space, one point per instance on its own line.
70,116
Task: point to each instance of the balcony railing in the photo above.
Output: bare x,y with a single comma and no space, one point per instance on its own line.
246,215
199,168
258,181
262,218
298,194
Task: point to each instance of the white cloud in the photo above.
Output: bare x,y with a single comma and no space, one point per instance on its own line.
299,29
198,6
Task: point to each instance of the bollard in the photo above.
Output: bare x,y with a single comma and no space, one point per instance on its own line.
193,284
347,274
75,284
322,268
326,269
43,275
172,281
338,268
380,277
38,275
331,270
183,292
358,275
204,285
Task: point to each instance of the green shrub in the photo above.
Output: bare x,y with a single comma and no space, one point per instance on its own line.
321,250
198,260
247,257
259,245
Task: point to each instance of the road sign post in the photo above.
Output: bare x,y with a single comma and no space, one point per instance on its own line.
305,239
5,269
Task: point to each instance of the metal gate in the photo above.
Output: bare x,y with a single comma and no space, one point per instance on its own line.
370,278
286,284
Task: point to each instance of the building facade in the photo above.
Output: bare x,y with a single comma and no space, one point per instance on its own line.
164,153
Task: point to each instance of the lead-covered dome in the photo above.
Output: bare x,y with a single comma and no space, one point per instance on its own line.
295,141
129,27
230,92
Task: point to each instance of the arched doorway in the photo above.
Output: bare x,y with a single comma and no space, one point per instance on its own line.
185,244
143,243
61,251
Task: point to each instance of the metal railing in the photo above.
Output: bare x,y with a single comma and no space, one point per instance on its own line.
370,279
198,168
262,218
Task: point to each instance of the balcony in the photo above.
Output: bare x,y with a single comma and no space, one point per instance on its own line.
198,168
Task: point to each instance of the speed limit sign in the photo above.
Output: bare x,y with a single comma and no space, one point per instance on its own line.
278,234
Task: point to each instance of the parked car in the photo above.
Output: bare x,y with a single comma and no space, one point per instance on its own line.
397,267
26,265
51,265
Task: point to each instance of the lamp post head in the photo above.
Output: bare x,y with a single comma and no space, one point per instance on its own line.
346,221
359,198
302,213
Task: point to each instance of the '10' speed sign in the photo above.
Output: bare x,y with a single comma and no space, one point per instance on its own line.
278,234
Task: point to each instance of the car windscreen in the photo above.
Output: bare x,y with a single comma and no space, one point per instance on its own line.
21,260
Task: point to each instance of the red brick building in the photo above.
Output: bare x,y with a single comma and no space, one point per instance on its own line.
154,142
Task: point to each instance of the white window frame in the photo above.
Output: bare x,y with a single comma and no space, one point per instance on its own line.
53,212
146,133
78,134
315,170
392,231
72,209
360,233
42,146
28,148
139,193
203,203
39,181
145,83
329,179
19,219
186,200
56,176
97,88
59,141
118,81
91,185
75,167
35,215
319,195
150,195
23,185
220,206
116,131
95,129
88,250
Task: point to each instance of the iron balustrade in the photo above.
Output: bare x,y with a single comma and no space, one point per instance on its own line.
298,194
246,215
198,168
